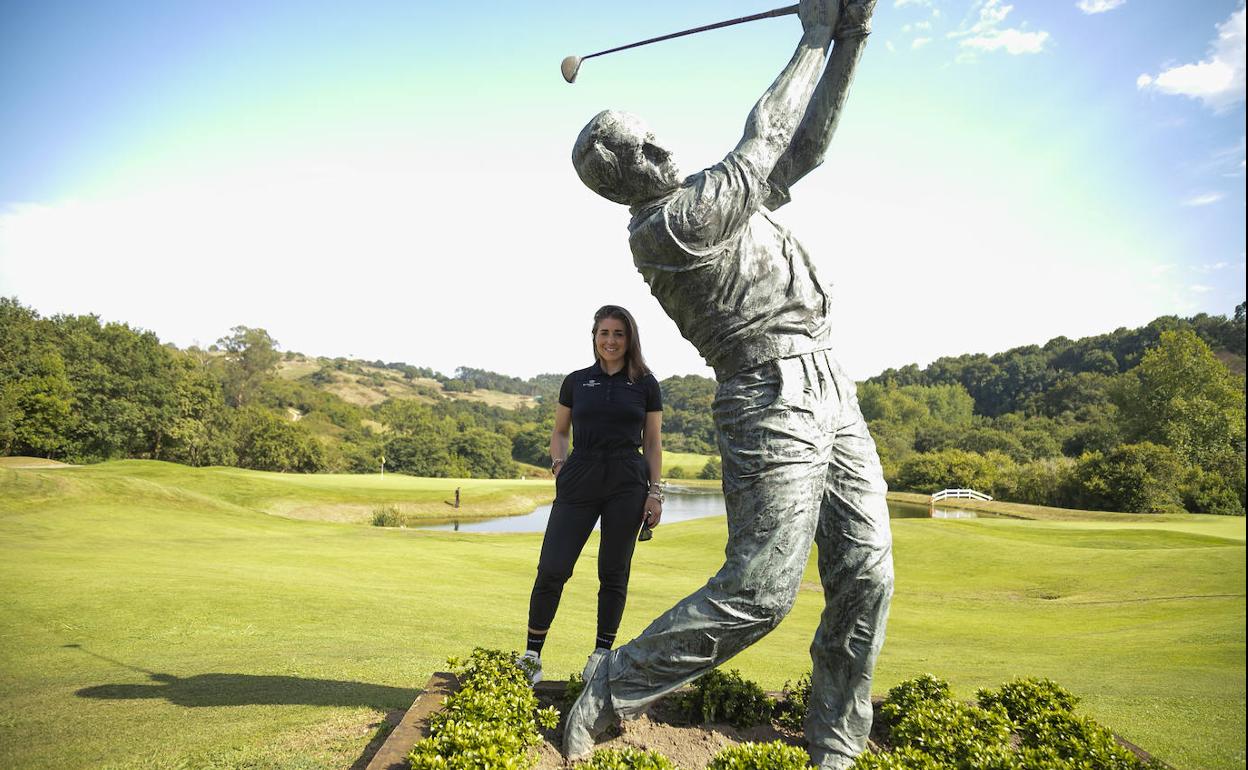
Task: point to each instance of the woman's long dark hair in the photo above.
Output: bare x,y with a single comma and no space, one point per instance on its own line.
634,361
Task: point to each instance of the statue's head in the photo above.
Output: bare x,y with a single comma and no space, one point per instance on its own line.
617,157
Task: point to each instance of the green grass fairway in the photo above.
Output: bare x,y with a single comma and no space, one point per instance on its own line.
322,496
692,464
156,616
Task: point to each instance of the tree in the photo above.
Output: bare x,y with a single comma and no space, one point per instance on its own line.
37,407
1134,478
123,381
1041,482
1072,394
203,431
955,468
35,393
1182,396
267,442
687,422
1206,492
532,445
421,454
487,455
250,356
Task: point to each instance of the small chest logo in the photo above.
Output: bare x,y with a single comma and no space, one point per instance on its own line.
590,384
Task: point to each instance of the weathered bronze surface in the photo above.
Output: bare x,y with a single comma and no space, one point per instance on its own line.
799,466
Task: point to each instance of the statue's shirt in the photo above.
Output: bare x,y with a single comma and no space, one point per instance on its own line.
739,286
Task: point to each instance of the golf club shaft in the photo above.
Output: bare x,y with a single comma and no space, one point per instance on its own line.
764,15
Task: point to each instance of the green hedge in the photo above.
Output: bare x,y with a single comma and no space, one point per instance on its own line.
490,723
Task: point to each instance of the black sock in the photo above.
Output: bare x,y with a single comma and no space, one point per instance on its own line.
604,640
535,642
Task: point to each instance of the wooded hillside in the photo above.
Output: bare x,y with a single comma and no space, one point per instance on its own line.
1148,419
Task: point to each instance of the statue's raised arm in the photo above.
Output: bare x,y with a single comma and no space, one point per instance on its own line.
810,142
769,130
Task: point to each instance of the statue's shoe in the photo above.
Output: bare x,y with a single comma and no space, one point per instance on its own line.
829,760
592,713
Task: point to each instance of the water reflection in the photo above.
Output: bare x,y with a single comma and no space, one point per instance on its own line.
681,505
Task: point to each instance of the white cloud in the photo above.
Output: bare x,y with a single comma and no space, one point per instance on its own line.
1198,288
1229,161
1204,199
1217,80
1212,267
1098,6
1014,41
919,42
904,3
987,33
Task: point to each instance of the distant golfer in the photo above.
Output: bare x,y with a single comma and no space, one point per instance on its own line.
798,462
613,408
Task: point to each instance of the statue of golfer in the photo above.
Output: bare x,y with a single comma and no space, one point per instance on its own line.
798,461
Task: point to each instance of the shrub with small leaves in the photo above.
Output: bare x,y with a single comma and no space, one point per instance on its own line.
490,723
794,703
913,693
760,756
1028,697
726,697
1080,740
905,758
572,690
626,759
952,732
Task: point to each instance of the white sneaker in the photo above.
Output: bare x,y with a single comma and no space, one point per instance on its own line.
531,663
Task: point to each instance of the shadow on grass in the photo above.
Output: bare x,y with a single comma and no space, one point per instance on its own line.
254,690
246,689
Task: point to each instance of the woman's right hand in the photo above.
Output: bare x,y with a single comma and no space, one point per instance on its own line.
556,466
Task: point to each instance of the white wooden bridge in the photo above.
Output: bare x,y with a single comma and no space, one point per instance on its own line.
965,494
954,494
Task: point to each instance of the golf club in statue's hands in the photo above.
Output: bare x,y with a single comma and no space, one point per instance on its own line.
572,64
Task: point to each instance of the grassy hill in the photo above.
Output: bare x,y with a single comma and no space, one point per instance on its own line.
158,616
363,384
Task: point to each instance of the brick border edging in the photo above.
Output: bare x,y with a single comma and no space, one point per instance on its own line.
415,723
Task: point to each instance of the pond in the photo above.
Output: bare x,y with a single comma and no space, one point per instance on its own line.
682,505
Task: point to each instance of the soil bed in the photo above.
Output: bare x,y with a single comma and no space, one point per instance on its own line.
662,729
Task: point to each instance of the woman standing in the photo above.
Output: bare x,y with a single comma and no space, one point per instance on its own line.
613,408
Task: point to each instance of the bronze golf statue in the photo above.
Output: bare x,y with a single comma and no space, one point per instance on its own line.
798,462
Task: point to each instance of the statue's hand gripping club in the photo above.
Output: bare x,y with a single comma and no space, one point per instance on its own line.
855,19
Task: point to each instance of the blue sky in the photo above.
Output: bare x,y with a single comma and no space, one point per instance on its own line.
391,180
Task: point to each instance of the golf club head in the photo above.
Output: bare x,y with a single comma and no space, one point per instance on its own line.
569,67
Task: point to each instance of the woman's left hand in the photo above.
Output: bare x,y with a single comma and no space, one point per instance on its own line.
652,512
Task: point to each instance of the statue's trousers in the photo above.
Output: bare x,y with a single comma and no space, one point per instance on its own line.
799,465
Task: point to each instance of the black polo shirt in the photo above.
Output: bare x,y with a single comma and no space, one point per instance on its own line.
608,410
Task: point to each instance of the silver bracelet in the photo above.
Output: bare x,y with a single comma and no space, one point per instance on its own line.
656,491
